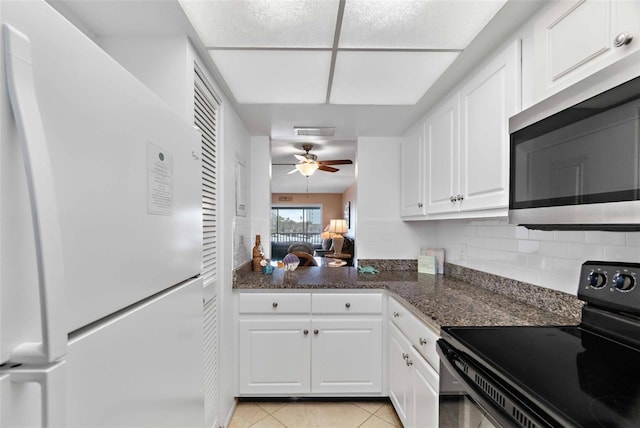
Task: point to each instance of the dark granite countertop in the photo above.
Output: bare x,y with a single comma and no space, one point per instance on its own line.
438,300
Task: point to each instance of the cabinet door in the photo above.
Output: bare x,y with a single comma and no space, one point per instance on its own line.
274,356
347,356
412,198
486,103
574,39
441,133
423,404
400,386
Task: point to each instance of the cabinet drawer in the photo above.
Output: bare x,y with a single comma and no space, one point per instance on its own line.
274,303
419,334
351,303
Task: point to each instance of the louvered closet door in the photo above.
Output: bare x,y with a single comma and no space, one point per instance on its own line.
206,119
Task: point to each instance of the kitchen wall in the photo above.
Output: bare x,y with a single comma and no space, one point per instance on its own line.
381,232
331,203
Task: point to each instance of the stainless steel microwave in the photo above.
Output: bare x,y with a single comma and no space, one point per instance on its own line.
578,167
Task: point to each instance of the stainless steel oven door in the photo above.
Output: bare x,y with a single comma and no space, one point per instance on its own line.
471,396
457,407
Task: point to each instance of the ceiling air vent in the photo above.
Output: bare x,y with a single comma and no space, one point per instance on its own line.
315,132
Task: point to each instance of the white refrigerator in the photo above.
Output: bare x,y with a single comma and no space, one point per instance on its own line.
100,238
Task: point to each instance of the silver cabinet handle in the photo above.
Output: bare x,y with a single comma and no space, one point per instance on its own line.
348,305
459,198
306,332
419,204
395,314
405,355
274,304
409,362
452,198
316,331
622,39
423,341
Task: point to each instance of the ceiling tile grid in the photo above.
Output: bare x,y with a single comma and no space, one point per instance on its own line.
361,52
268,77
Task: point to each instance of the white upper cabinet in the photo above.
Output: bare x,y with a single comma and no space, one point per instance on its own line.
467,143
441,132
486,103
412,197
574,39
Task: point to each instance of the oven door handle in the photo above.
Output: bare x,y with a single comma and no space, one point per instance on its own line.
491,411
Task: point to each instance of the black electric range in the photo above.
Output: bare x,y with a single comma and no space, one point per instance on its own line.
586,375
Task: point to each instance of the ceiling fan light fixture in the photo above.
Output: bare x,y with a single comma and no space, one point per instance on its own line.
307,169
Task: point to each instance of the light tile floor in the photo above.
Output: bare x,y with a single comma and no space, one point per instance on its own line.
315,414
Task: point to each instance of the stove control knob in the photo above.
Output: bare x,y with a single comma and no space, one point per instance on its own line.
596,279
624,282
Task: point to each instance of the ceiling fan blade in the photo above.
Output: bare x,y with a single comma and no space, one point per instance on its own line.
336,162
300,158
292,171
327,168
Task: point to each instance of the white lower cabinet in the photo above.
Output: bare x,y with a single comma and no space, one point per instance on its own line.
413,383
413,368
424,401
346,356
275,356
334,349
400,384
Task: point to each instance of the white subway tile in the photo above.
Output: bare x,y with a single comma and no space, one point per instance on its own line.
521,232
553,249
528,247
586,252
622,254
484,231
632,239
606,238
541,235
569,235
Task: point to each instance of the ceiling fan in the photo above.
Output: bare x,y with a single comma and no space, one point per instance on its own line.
309,163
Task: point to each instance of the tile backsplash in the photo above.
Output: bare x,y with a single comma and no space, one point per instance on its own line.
551,259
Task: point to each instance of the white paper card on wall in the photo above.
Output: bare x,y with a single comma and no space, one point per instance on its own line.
427,264
159,180
438,253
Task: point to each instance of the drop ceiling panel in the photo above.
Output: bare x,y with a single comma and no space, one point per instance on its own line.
386,78
264,23
415,24
269,77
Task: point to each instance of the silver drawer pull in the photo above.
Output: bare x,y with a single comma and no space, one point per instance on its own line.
275,304
306,332
405,355
396,315
348,305
409,363
316,331
423,341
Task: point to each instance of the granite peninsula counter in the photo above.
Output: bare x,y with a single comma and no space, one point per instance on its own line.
436,299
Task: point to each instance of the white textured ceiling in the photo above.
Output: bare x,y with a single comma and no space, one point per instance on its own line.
360,40
311,26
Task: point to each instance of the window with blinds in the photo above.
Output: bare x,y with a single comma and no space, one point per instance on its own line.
205,116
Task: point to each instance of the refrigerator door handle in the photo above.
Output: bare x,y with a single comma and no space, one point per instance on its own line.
44,210
52,391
